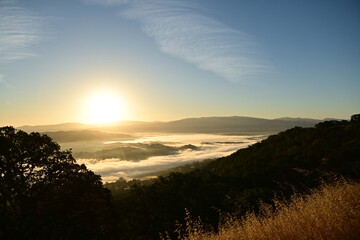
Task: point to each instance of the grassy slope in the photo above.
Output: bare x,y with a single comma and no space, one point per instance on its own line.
331,212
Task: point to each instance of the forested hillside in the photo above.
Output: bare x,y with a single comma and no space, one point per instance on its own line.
295,160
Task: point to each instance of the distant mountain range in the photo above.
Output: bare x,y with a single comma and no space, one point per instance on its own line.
225,125
218,125
56,127
85,135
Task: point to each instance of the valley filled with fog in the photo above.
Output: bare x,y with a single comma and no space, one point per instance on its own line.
146,156
149,149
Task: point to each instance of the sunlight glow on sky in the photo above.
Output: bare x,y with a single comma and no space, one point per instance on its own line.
102,107
172,59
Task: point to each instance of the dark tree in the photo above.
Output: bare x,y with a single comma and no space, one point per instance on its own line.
44,194
355,118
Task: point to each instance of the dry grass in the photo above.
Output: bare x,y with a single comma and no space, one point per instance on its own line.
331,212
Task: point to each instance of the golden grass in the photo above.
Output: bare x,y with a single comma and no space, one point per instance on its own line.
331,212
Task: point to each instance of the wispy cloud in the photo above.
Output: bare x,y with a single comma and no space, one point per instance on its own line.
19,31
181,29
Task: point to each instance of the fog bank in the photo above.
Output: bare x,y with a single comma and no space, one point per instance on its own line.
210,147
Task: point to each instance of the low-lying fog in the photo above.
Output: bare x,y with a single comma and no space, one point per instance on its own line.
184,148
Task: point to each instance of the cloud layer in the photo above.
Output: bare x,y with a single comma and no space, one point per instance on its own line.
19,30
215,146
181,29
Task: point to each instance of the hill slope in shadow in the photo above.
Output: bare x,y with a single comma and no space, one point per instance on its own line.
297,159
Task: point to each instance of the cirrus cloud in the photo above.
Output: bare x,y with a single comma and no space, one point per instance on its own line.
182,30
19,31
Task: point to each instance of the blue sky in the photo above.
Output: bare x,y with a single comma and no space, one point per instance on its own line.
171,59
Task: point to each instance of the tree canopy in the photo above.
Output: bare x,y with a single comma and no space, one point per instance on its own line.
44,194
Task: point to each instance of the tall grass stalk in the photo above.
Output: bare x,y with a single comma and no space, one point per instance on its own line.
331,212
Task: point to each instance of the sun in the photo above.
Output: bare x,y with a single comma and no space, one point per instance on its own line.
103,107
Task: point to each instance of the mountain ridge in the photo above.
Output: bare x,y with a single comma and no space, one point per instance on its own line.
216,124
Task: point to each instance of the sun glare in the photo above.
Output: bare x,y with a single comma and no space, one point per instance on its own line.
104,107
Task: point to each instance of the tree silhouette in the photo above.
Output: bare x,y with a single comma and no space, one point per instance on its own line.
355,118
44,194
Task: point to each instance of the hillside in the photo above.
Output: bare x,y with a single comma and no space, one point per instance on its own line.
223,125
320,215
297,159
330,146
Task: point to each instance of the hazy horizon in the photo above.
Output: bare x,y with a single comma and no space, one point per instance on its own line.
172,120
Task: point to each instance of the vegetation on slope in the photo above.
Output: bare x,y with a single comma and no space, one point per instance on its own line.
331,212
297,159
